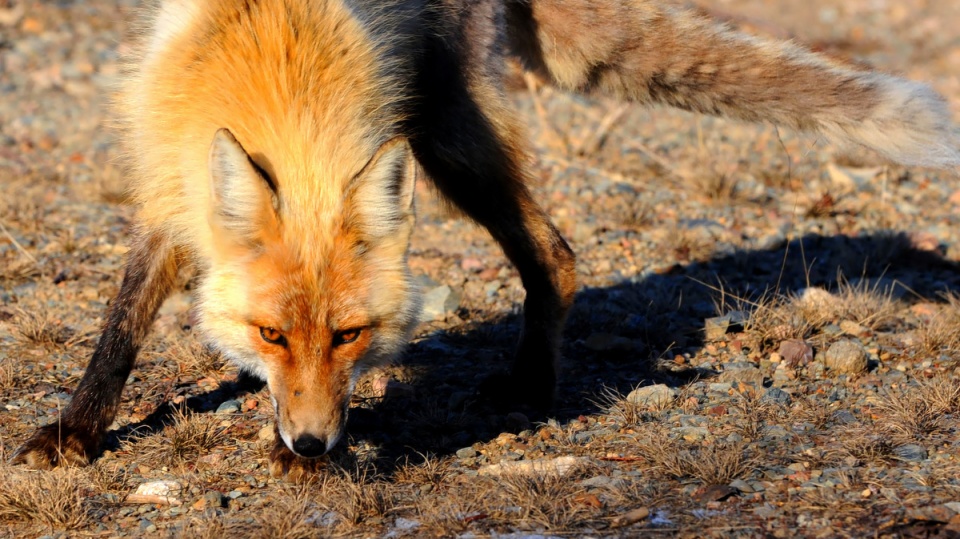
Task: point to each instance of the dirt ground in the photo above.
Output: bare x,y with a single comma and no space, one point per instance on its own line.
765,342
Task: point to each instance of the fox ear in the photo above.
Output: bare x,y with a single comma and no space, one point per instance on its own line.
244,202
381,194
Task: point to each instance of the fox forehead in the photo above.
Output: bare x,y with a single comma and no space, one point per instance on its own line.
291,289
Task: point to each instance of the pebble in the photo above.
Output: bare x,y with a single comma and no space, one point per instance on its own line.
561,466
846,357
742,372
467,453
655,396
229,407
910,452
439,301
795,353
777,395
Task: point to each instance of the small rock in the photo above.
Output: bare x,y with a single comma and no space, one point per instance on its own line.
715,328
630,517
742,372
852,328
597,481
655,396
692,434
783,374
466,453
212,499
911,452
229,407
405,524
720,387
846,356
156,492
558,466
931,513
817,298
471,264
715,493
267,433
741,485
439,301
795,353
776,395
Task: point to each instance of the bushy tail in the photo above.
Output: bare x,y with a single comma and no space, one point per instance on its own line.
645,51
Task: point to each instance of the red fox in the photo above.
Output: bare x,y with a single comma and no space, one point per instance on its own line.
274,145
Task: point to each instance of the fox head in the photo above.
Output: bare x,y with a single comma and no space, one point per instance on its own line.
309,284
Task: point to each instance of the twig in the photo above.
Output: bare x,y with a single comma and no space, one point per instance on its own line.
18,246
593,142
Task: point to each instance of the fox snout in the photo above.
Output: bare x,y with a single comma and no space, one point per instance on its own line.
309,424
310,442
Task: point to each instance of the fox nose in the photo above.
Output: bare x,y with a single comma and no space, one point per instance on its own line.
309,446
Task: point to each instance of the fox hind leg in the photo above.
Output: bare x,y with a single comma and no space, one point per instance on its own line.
76,436
474,154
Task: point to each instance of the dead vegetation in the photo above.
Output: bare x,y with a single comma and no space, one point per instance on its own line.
55,500
915,412
188,437
714,463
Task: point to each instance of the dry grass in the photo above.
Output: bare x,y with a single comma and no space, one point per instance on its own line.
774,317
55,500
754,415
941,333
540,501
709,463
40,327
288,516
624,412
195,359
8,372
915,412
20,269
355,496
866,446
818,413
871,305
188,438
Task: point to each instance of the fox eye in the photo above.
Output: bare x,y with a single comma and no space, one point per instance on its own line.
346,336
273,336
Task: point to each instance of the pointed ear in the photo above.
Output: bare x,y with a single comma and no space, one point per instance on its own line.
381,194
244,201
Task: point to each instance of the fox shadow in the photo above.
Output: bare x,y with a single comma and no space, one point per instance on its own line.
614,341
616,337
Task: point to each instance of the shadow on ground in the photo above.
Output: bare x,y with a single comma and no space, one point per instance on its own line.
647,318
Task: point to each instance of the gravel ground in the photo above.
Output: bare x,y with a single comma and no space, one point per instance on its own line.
765,343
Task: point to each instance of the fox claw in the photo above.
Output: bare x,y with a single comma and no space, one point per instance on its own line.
54,445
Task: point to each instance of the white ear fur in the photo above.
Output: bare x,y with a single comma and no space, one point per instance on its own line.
243,203
382,193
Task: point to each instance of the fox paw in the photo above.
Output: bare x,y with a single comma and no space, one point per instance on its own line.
287,464
55,445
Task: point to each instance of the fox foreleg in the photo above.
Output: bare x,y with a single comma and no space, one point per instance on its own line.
76,436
